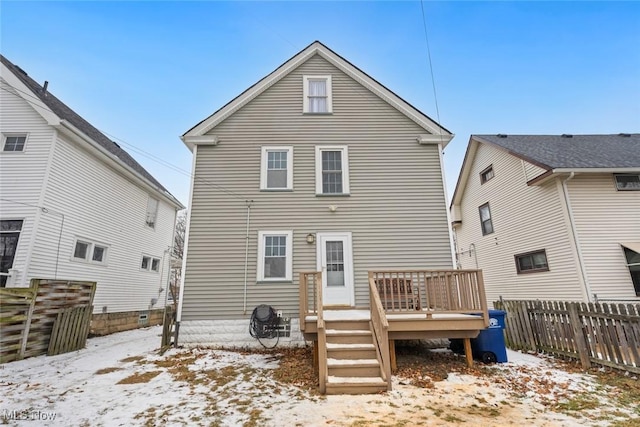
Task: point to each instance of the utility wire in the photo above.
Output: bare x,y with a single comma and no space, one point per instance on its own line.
433,81
143,152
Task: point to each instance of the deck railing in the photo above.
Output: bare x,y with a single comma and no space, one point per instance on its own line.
380,327
311,304
441,291
310,287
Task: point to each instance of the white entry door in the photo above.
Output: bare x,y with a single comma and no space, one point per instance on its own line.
335,260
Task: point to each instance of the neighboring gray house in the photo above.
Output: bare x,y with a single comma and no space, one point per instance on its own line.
551,216
76,206
315,167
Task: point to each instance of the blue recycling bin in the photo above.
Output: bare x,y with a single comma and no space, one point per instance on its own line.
489,345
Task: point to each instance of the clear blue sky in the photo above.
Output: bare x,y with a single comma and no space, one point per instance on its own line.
146,72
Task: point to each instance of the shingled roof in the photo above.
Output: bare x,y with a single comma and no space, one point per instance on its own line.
65,113
572,151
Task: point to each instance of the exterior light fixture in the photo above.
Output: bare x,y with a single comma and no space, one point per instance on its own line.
311,238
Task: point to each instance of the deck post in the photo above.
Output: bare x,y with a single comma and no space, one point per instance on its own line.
316,365
467,352
392,353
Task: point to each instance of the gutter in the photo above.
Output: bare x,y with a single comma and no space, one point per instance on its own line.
574,234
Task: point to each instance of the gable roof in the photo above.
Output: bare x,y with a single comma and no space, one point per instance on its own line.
559,154
63,112
195,134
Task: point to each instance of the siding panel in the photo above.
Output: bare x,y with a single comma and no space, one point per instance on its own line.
22,174
396,210
605,218
525,218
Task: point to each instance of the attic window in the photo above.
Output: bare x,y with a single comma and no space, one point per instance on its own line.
317,95
627,182
14,142
486,174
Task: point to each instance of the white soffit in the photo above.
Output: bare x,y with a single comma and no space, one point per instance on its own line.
634,246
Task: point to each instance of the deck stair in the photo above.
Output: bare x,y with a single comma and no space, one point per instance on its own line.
352,362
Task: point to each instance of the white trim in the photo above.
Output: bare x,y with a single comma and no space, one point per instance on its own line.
446,204
633,170
346,189
305,93
634,246
347,238
288,256
91,244
41,201
6,135
186,236
264,162
430,139
317,48
200,140
23,91
150,264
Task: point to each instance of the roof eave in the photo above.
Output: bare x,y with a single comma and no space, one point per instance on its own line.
351,70
541,179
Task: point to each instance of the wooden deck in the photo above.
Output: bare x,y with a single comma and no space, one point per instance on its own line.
354,347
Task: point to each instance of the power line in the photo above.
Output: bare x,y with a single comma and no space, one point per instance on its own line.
141,151
433,81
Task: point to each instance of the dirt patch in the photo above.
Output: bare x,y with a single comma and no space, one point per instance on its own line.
104,371
132,359
142,377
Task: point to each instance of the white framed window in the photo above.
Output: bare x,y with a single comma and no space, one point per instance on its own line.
317,94
332,170
486,174
276,171
485,219
87,251
627,182
150,263
275,255
13,142
152,212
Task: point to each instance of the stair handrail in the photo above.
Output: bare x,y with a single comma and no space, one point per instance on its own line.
380,326
323,369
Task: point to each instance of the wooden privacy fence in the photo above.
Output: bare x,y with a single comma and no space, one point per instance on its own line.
70,330
600,333
27,315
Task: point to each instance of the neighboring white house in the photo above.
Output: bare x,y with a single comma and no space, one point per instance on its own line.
551,216
315,167
76,206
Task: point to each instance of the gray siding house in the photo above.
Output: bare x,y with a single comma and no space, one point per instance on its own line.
554,217
316,167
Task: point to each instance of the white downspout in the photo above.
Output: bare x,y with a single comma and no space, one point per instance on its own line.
446,207
574,233
246,258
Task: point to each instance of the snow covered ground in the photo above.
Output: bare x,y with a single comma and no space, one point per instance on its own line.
120,380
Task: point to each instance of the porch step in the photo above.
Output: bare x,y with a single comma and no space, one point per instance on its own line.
342,336
355,385
352,362
353,367
351,350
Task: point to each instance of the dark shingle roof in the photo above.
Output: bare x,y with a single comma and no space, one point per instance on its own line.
66,113
577,151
